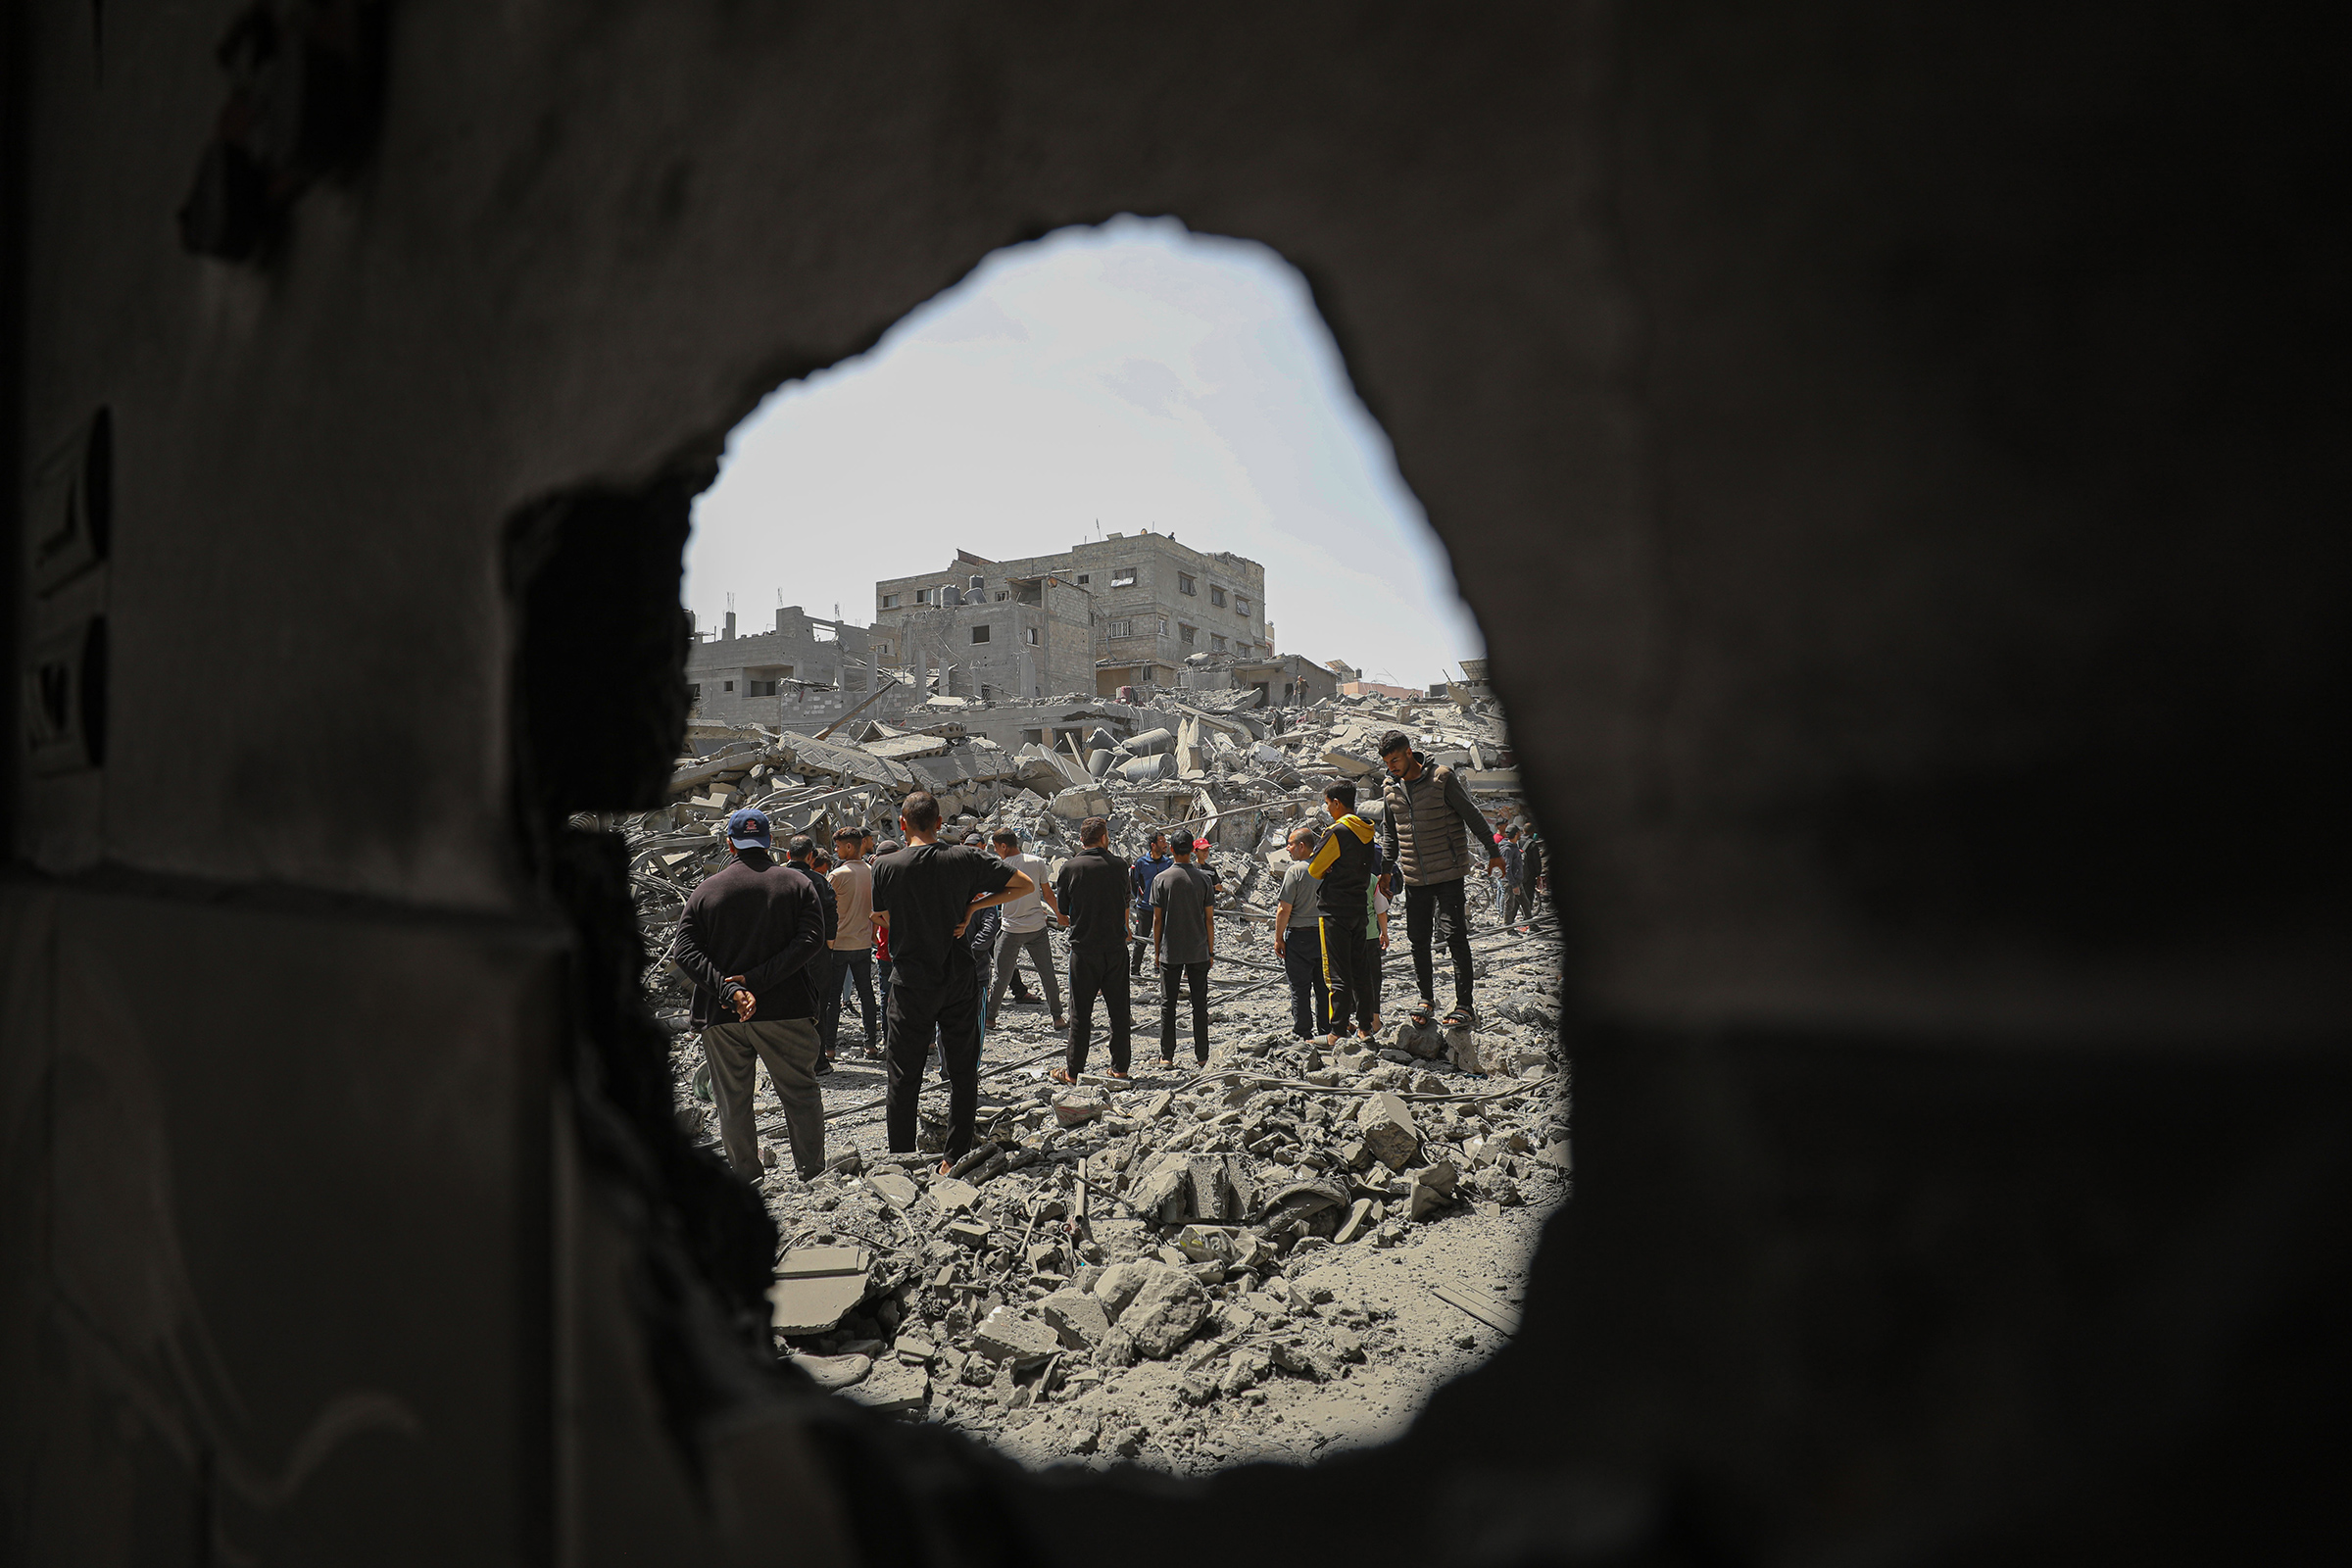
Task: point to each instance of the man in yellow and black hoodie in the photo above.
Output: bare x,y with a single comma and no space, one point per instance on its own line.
1342,863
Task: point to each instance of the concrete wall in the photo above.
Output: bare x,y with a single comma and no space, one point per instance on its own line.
1895,453
813,675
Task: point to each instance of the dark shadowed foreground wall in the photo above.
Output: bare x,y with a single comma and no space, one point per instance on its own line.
1896,453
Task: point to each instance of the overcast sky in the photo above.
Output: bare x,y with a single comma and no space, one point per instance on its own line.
1115,379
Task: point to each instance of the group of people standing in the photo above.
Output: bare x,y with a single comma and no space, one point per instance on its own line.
928,933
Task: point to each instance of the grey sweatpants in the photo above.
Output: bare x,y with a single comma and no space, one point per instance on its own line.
1011,945
789,1046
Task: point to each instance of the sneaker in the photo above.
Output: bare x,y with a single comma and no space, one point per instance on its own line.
824,1065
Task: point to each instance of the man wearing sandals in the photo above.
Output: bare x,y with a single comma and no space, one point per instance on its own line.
1092,895
1428,829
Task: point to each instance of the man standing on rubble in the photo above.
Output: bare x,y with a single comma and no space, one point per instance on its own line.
925,895
1302,955
1092,891
1024,930
1343,864
1146,871
751,939
799,853
1513,898
853,941
1184,944
1428,813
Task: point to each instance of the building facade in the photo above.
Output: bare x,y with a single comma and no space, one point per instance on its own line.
1154,603
991,635
802,665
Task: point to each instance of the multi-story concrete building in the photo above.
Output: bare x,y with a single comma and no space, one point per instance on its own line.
995,635
803,665
1155,602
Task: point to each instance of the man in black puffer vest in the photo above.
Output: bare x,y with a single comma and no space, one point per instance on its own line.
1423,829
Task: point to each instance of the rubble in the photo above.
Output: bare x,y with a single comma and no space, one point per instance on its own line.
1178,1270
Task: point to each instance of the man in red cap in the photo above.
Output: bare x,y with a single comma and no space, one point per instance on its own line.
1184,943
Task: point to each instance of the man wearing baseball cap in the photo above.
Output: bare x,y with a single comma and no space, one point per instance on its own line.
749,940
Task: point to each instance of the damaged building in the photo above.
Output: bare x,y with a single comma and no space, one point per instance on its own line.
990,633
803,667
1154,602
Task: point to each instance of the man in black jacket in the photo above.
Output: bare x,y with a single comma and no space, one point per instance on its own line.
747,940
799,853
1092,891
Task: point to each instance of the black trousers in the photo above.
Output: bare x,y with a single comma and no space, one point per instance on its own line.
1141,945
828,1022
1344,971
1102,972
1311,996
1197,974
1437,910
916,1015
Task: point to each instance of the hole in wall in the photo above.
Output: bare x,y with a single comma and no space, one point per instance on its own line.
1119,539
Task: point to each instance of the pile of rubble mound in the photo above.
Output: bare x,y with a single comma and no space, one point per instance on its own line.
1112,1271
1212,761
1281,1254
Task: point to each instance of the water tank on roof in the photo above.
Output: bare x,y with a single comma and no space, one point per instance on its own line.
978,585
951,597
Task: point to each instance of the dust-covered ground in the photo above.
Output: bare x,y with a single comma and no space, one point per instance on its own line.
1203,1268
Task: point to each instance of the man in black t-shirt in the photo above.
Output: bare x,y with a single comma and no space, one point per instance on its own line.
924,897
1092,891
1184,943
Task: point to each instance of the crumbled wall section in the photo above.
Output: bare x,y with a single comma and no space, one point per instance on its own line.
1895,456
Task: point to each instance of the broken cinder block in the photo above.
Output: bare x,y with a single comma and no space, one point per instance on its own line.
1391,1135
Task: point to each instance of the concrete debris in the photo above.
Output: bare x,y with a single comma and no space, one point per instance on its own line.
1152,1271
815,1286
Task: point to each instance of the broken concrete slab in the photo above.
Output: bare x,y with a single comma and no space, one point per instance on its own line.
952,1195
1433,1189
1167,1311
833,1372
815,1286
1008,1335
894,1187
893,1386
1388,1132
1077,1318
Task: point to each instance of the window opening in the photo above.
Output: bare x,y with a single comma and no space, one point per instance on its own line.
1370,590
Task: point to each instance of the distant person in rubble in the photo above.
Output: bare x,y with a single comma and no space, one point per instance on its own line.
801,853
925,897
1428,814
1531,876
1184,944
1092,895
1510,891
853,942
1024,921
753,940
1342,863
1297,941
1140,878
